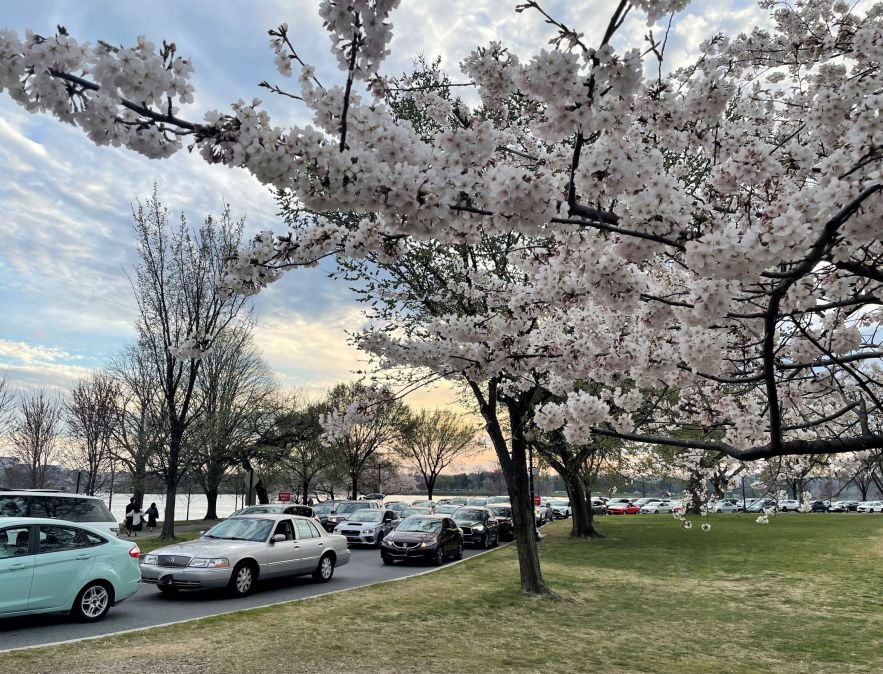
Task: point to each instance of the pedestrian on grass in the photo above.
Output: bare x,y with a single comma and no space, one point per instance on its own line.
152,514
130,508
137,519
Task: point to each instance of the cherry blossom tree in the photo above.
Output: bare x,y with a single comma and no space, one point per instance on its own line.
713,228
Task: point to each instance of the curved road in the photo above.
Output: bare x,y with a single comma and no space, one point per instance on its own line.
149,607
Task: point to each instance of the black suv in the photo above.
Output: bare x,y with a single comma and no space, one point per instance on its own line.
479,526
332,513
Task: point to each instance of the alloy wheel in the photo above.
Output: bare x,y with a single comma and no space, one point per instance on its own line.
94,601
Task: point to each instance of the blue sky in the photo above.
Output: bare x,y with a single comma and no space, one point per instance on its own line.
65,225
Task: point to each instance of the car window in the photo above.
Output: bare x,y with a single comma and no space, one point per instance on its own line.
14,541
69,508
306,529
242,528
284,527
59,539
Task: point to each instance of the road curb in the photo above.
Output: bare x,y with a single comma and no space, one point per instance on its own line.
253,608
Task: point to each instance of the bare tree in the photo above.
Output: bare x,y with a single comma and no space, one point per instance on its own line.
234,391
35,434
91,413
182,310
7,406
433,440
137,432
361,441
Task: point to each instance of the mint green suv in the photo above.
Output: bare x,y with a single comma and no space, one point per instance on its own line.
49,566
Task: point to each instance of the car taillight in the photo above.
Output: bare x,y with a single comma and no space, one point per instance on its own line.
135,551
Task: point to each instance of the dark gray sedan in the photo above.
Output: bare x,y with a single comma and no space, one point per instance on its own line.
238,551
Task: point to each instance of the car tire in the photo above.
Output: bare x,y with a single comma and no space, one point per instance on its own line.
92,602
378,541
167,589
496,539
325,571
439,559
459,553
389,561
243,579
485,542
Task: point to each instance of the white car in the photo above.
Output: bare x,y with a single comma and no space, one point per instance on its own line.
656,507
870,507
88,510
787,505
725,507
560,508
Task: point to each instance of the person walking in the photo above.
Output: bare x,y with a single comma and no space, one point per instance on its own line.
152,515
137,519
130,507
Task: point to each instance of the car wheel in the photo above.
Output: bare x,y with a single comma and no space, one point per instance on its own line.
387,560
242,579
459,553
496,539
439,556
485,542
92,603
325,570
378,541
167,589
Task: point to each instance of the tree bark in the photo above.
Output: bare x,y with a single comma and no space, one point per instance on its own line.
582,525
355,480
168,525
211,509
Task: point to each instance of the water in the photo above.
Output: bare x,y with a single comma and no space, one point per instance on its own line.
227,504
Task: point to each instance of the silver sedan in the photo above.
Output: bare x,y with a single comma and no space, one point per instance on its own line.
239,550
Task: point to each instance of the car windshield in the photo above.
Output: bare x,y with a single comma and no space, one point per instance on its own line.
241,529
349,507
322,508
367,515
477,501
423,525
445,509
467,515
407,512
502,512
261,510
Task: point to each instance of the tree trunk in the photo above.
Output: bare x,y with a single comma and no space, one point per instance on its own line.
355,479
430,484
582,525
211,509
168,525
524,523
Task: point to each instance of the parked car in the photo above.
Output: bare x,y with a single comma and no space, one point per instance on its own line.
599,507
479,526
560,508
762,504
819,506
503,513
786,505
396,506
49,566
410,512
445,509
496,500
332,513
424,504
725,506
277,509
870,507
477,501
89,510
838,507
656,507
851,506
368,526
641,502
457,500
240,550
423,538
546,513
622,509
374,497
620,500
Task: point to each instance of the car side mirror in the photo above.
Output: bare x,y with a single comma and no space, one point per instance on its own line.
277,538
202,533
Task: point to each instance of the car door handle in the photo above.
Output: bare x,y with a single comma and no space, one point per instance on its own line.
321,544
17,567
296,546
84,557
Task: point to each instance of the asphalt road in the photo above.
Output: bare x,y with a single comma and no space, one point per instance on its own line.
149,607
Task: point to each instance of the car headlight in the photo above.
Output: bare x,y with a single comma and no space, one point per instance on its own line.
368,532
150,559
386,543
478,527
210,563
428,544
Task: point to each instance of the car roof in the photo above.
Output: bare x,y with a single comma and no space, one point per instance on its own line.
432,517
271,516
44,492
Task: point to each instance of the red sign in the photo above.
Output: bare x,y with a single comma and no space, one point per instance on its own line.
536,500
284,496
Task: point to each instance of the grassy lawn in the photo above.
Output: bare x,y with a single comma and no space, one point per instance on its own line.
148,541
801,594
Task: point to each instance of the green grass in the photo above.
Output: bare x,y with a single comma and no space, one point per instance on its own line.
801,594
150,542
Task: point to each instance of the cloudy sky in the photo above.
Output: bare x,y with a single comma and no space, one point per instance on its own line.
65,224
